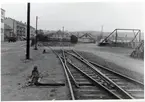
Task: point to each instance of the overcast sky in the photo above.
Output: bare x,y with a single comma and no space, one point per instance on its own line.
80,16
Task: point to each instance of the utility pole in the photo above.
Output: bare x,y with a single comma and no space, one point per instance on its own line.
28,32
63,30
116,37
36,34
139,35
102,30
101,34
126,38
62,33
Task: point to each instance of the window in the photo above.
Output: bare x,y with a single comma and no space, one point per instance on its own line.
2,20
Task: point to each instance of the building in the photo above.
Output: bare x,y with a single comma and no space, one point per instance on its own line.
86,38
8,32
2,23
19,28
32,32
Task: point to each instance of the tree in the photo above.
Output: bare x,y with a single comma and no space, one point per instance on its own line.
74,39
40,32
42,37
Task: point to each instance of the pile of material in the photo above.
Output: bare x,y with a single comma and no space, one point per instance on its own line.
139,51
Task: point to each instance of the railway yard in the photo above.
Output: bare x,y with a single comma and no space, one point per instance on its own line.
71,73
72,51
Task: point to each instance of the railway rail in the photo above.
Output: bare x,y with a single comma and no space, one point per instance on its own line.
88,80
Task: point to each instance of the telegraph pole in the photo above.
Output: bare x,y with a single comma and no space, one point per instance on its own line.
101,35
139,35
62,33
102,30
36,35
28,32
63,30
116,37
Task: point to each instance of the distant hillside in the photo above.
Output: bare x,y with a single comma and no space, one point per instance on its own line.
130,35
95,34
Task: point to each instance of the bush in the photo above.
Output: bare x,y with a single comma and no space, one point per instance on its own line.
74,39
41,37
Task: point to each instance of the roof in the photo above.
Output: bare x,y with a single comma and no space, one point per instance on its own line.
20,22
31,27
50,34
88,35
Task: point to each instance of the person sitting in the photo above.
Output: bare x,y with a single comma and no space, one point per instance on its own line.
35,76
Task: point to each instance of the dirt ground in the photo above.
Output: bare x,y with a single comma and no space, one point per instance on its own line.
16,70
113,66
116,58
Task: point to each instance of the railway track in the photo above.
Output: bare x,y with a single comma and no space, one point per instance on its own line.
88,80
128,86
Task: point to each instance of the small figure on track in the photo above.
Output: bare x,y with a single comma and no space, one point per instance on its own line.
35,76
44,51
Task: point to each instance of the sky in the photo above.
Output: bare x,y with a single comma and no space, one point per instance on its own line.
81,16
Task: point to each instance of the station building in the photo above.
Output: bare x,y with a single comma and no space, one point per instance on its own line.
86,38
